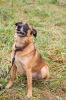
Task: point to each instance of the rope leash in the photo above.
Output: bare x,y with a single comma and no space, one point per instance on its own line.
4,76
13,59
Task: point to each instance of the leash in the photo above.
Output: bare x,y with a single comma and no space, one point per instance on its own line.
13,59
4,76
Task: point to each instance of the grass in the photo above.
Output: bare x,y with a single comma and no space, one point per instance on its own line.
48,17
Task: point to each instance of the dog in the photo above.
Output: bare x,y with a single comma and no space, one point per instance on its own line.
27,60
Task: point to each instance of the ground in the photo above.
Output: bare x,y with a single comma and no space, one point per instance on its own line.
48,17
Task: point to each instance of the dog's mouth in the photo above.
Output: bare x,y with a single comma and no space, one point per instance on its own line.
22,34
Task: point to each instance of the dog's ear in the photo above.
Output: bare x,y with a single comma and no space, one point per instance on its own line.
34,32
18,23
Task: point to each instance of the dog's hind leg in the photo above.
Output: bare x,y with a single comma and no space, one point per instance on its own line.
13,72
45,72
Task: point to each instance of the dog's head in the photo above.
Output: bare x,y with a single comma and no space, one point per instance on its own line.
24,29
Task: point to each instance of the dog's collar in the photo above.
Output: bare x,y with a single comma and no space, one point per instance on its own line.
20,48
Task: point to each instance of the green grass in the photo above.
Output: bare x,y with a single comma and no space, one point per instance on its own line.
48,17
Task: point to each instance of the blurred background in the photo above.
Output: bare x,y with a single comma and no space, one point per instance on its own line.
48,17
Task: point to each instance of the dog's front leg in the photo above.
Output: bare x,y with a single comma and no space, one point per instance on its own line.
13,72
29,82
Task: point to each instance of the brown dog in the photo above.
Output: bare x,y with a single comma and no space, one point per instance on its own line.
28,60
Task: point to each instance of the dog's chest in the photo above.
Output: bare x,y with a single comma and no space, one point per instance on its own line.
21,64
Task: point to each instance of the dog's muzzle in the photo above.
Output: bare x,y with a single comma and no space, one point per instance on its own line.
21,34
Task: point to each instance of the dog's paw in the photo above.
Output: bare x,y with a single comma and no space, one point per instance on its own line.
9,85
29,95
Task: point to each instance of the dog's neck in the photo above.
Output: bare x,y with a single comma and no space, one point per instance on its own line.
22,41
